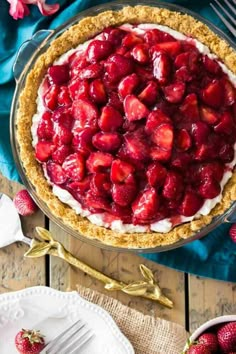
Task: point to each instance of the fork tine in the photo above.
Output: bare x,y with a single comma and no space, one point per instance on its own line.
226,12
227,24
230,6
76,343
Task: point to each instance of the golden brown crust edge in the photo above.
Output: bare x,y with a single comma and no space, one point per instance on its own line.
77,34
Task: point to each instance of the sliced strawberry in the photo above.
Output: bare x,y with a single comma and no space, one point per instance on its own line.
56,173
85,112
204,152
200,132
118,66
163,136
181,160
115,102
44,150
79,89
123,213
60,154
58,74
159,154
63,117
98,161
149,94
190,204
183,74
100,184
128,85
183,140
226,153
24,204
114,35
136,145
209,188
155,36
97,91
80,187
107,141
174,92
131,39
140,53
120,170
154,119
229,93
110,119
63,98
161,68
146,205
96,203
189,107
209,115
145,74
213,94
211,65
213,169
92,71
74,166
173,185
156,174
124,194
134,108
225,125
171,48
188,60
98,50
77,62
63,135
50,98
45,126
82,140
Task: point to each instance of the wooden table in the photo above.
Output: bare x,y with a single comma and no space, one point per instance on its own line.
196,299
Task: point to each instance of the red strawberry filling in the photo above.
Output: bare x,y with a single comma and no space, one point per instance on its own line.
138,126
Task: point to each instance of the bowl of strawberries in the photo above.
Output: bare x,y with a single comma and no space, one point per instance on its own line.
215,336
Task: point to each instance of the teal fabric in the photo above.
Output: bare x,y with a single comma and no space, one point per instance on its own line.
214,255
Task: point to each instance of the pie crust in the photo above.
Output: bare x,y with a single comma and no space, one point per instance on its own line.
79,33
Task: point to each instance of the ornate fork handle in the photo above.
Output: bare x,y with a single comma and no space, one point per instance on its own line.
146,288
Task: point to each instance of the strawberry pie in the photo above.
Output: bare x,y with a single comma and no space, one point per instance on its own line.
127,127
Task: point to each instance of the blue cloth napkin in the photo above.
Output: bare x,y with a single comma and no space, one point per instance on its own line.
214,255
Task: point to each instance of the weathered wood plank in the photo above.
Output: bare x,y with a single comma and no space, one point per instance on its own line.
209,298
17,272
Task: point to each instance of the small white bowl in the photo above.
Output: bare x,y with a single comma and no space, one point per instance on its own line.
207,325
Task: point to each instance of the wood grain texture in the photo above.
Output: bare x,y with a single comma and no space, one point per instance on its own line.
209,298
17,272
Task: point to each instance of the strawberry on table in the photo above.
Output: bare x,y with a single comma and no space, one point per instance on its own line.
24,204
29,341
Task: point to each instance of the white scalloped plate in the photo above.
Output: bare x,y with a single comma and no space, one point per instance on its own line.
51,311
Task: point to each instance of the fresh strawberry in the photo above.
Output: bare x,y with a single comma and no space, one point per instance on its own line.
154,119
79,89
24,203
198,349
45,126
146,205
98,160
158,154
56,173
63,117
225,125
209,340
173,185
92,71
131,39
174,92
213,94
123,194
50,98
114,35
74,166
58,74
211,65
189,108
190,204
136,145
226,336
77,61
120,170
107,141
128,85
155,36
43,150
110,119
64,98
100,184
82,140
209,188
161,67
29,342
61,153
232,233
183,140
80,186
209,115
189,60
123,213
171,48
140,53
97,91
98,50
115,102
200,132
156,174
149,94
85,112
183,74
96,203
163,136
134,108
118,66
62,135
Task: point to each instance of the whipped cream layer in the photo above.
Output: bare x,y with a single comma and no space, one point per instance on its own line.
99,219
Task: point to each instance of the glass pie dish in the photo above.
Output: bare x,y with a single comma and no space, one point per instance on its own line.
28,54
